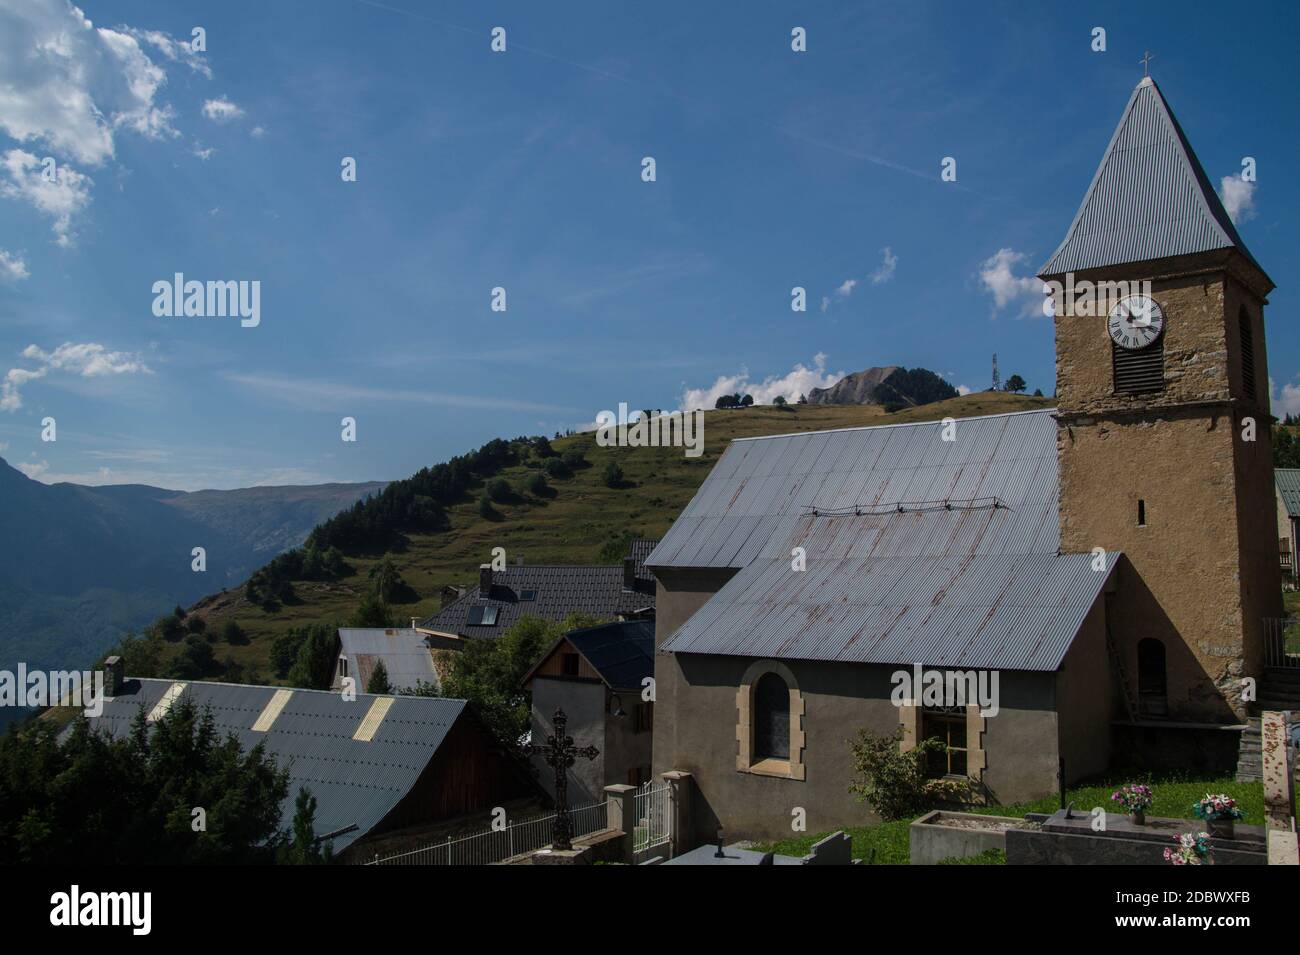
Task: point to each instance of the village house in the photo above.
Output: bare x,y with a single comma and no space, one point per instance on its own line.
1112,559
378,765
405,652
550,591
597,676
1286,482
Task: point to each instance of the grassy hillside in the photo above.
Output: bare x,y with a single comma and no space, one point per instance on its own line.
570,525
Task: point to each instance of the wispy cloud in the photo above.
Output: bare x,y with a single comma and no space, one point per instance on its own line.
798,381
84,359
320,395
888,264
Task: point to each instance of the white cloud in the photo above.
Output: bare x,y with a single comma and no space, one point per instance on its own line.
22,177
887,266
846,288
1023,293
12,267
221,110
85,359
1288,402
203,152
69,85
33,469
257,132
177,51
798,381
963,390
1238,197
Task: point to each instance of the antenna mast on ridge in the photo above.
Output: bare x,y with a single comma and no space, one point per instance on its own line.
997,379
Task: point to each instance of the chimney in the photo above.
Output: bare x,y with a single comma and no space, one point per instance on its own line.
629,573
113,675
485,580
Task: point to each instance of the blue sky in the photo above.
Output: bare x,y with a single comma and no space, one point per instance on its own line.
522,170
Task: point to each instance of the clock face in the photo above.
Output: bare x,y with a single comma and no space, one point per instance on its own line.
1135,322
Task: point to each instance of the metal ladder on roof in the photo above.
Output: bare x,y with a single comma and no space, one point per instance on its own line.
1130,700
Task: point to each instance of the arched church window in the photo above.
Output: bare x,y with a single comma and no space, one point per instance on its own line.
1152,682
1247,354
771,718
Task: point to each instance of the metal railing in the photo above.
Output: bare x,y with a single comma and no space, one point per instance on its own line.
1282,642
496,845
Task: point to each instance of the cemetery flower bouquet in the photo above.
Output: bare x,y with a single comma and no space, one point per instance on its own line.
1217,806
1134,797
1193,849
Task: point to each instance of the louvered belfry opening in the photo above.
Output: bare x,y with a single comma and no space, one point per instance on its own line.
1139,371
1247,356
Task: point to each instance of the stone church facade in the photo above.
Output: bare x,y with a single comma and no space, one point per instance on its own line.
1112,561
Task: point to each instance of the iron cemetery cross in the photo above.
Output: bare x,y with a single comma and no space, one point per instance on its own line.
561,754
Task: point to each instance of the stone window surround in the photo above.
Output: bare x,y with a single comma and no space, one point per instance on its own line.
792,768
909,716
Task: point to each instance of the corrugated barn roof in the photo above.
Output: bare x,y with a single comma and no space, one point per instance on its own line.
358,758
918,549
1288,485
1149,199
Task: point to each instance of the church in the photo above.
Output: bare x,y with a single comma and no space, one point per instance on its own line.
1113,560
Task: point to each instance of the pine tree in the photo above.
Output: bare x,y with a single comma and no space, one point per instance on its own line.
378,682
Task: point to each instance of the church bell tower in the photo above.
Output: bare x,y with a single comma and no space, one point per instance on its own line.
1164,443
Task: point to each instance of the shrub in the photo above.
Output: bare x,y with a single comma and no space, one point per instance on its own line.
893,782
612,476
499,490
556,468
536,484
573,458
485,508
233,634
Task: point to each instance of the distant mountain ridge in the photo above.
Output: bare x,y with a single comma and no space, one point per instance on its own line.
81,565
893,386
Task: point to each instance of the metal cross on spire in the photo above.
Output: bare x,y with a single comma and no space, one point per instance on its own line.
1147,57
560,753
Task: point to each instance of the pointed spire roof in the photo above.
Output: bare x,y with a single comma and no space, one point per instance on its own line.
1150,198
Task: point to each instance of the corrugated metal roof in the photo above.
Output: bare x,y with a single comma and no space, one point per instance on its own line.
355,782
983,611
768,495
1288,486
1149,198
918,550
406,656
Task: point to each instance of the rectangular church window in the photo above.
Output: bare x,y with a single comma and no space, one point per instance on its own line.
1142,513
948,725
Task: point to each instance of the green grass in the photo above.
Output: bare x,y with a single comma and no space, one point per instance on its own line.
569,527
1174,798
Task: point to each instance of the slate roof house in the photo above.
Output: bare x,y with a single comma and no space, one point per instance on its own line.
376,764
549,591
597,675
1110,562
